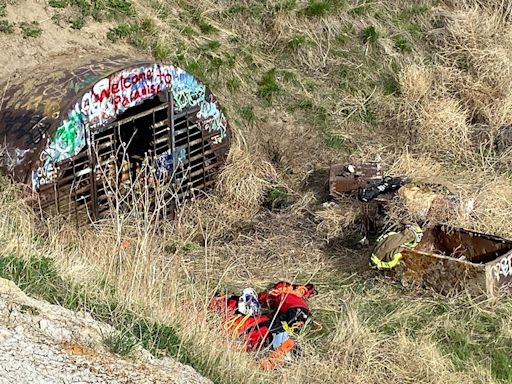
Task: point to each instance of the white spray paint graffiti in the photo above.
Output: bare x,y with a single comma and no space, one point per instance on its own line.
113,95
503,269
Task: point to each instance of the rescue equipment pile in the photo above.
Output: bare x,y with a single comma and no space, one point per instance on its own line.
267,322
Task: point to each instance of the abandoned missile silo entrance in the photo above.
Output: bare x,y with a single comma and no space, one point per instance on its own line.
79,137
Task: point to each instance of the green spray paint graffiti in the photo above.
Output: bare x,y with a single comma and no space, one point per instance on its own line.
68,138
67,141
187,91
114,94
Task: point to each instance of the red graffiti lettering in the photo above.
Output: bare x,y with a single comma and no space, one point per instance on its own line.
117,101
168,78
126,101
149,74
135,79
115,87
126,82
104,94
135,95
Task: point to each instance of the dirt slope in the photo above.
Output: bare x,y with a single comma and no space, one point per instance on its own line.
21,53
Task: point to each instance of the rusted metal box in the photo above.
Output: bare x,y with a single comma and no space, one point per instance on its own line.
452,259
342,180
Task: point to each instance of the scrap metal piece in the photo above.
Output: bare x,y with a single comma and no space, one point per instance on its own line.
452,259
345,178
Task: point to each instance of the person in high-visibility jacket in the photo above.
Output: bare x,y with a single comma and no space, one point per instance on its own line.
387,251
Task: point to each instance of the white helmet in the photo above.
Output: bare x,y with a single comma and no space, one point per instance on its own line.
248,303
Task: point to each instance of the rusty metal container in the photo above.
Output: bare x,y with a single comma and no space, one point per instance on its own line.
452,259
341,180
64,129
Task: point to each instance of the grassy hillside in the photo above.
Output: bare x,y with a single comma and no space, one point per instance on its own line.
422,85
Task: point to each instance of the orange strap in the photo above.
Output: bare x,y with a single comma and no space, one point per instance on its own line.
276,358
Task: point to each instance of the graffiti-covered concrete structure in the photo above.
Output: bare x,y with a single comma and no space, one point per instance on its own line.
71,134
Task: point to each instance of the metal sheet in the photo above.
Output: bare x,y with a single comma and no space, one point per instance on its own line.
342,181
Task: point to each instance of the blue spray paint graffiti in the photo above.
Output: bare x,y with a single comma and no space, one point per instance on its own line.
187,91
164,163
212,119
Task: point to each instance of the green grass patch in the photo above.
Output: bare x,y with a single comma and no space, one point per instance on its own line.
76,23
469,332
160,8
476,339
369,35
3,8
6,27
236,9
247,113
30,29
205,27
233,84
390,84
297,41
211,45
402,44
360,10
122,31
58,3
98,10
276,198
412,12
285,6
161,52
268,87
190,247
254,10
121,343
39,277
196,68
277,194
321,8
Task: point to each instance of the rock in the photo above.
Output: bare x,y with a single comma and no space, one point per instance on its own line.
46,344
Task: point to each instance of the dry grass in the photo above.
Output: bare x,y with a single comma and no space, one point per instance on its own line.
337,220
171,282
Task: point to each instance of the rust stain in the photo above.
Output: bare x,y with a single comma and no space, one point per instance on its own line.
77,349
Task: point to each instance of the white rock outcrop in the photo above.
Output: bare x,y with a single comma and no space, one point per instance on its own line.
42,343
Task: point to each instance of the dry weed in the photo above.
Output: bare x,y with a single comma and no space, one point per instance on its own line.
339,219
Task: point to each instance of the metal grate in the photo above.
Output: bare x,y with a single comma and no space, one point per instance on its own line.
159,136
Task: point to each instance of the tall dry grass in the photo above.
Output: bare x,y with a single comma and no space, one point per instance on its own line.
156,273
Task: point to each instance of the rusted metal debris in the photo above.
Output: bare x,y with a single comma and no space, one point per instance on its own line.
63,132
345,178
452,259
